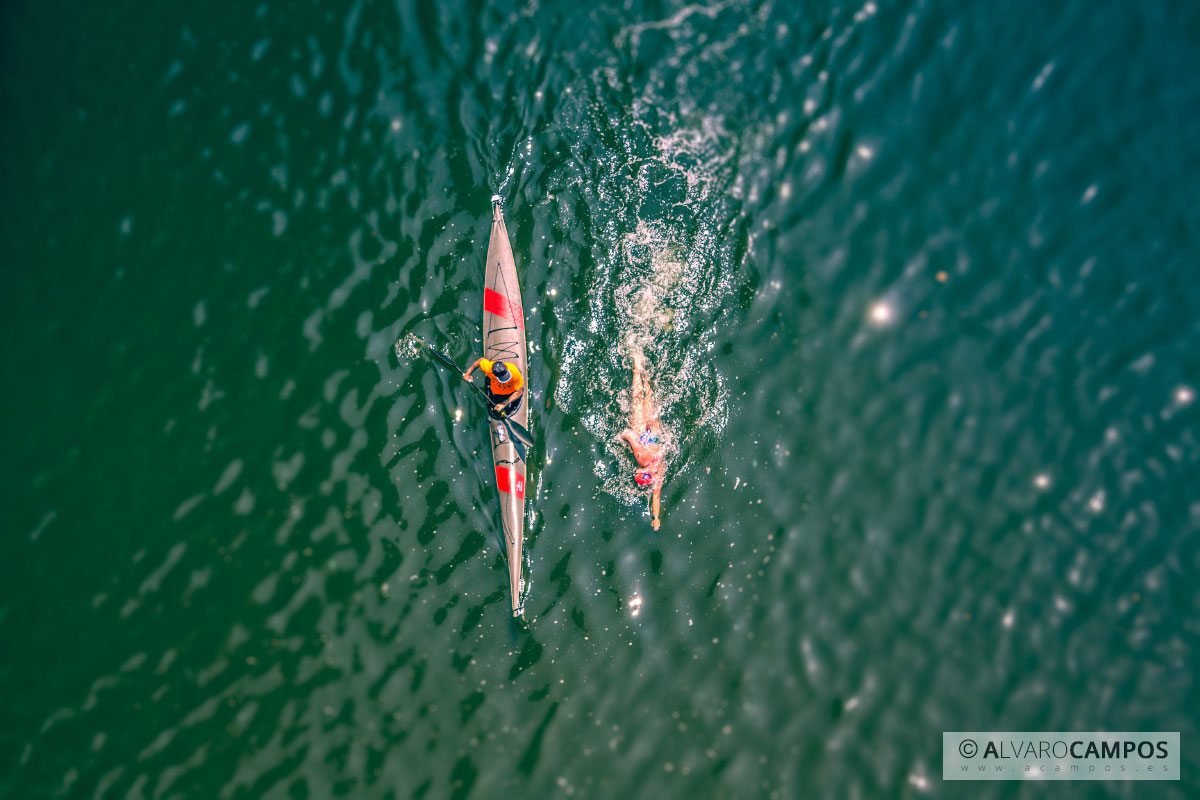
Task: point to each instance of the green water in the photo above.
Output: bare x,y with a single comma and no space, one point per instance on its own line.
917,285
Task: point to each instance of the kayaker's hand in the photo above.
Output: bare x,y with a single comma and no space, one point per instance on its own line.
466,377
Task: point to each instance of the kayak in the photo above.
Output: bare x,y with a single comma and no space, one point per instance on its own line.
504,340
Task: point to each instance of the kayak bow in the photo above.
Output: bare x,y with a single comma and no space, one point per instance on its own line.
504,340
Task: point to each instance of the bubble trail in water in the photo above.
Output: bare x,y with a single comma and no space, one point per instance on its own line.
408,347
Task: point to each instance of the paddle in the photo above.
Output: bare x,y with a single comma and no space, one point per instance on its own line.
516,429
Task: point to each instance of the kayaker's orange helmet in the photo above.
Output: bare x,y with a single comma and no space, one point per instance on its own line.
643,478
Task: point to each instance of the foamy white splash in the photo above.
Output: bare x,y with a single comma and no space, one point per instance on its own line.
408,347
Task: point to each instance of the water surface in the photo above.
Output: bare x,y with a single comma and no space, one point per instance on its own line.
916,282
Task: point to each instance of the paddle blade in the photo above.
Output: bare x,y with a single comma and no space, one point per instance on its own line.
519,431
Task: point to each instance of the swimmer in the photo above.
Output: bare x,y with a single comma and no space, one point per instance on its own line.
645,435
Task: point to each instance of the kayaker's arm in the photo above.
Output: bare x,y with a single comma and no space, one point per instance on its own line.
470,369
512,398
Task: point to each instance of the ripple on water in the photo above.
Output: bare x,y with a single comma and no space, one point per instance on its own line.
922,337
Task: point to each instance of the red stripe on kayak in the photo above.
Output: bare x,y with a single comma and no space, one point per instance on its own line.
504,481
496,303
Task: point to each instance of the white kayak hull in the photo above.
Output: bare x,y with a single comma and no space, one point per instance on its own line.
504,340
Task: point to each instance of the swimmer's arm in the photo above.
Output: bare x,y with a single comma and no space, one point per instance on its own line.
628,435
654,506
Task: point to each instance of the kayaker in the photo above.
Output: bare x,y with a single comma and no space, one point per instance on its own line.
645,435
505,387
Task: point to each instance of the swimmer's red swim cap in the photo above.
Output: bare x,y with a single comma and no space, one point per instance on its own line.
644,478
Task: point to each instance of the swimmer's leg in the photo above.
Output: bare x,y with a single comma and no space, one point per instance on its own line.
648,411
639,383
